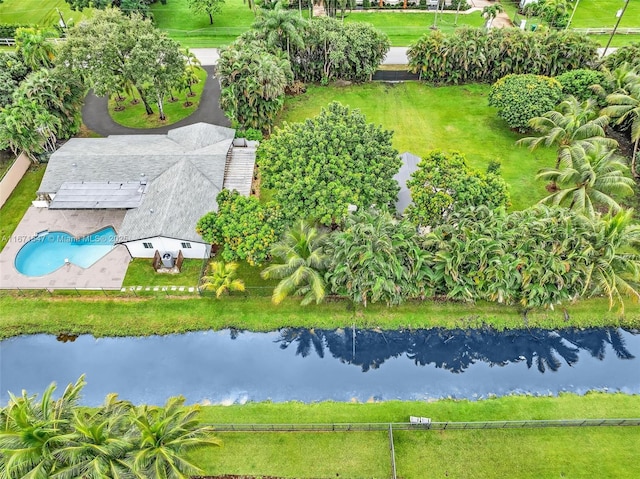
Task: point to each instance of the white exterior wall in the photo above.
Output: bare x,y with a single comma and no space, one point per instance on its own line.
162,244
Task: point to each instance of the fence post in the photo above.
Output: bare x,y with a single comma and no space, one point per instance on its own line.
393,453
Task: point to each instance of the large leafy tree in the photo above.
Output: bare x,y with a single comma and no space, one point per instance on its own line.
243,226
590,179
443,182
253,82
376,258
304,262
206,6
336,159
571,124
221,278
104,49
624,106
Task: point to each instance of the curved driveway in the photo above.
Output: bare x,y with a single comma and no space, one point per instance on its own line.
96,117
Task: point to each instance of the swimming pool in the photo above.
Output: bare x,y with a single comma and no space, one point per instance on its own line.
50,250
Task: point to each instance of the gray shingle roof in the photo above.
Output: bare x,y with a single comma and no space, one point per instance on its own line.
409,165
172,205
125,158
98,195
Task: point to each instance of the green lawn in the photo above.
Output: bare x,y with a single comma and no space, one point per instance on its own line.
602,13
194,30
91,313
522,453
135,116
424,118
16,206
140,273
39,12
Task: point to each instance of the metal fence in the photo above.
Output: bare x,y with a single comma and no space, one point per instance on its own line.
407,426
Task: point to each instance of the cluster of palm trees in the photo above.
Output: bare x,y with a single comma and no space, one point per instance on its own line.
588,174
57,439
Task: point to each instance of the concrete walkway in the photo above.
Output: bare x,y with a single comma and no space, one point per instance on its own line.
96,117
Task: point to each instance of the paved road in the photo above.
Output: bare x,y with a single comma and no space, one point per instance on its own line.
96,117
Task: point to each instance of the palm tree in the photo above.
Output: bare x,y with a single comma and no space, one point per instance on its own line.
625,106
222,278
165,436
33,431
571,124
304,262
278,24
490,12
99,444
594,174
615,267
34,46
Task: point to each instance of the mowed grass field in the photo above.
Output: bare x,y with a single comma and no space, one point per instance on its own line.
522,453
602,13
39,12
424,118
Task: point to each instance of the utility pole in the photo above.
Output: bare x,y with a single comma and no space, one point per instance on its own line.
619,14
575,7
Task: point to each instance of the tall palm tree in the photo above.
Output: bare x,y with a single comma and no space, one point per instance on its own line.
98,446
304,262
594,174
570,125
33,431
222,278
615,267
625,107
165,436
490,12
278,24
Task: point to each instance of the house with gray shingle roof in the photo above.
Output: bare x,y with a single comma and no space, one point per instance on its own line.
166,183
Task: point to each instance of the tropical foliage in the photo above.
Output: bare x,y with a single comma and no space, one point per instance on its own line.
206,6
474,55
253,82
519,98
336,159
555,13
59,439
376,258
625,54
281,28
221,278
444,183
570,125
589,178
578,82
304,262
243,226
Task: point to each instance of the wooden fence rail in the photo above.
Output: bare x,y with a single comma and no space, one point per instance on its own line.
405,426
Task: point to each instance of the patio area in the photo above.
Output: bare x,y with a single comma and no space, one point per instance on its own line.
107,273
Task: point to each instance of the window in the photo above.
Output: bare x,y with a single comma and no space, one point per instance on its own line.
148,245
186,245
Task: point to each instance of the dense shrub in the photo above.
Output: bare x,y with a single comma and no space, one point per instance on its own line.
319,167
334,50
627,54
475,55
444,183
519,98
8,30
243,226
578,83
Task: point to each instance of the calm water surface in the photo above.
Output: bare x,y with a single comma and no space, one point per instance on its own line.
230,366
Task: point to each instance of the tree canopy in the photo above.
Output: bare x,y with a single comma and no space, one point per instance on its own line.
321,166
444,183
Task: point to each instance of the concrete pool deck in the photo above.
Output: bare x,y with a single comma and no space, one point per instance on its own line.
107,273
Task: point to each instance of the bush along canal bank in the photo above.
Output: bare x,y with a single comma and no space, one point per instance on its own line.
345,365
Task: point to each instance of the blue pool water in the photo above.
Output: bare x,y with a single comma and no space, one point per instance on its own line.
48,251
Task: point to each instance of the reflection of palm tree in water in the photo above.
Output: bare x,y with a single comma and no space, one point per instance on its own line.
456,350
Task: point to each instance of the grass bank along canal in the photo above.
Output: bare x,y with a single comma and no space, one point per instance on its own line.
232,366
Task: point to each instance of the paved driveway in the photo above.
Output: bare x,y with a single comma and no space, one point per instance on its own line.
96,117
